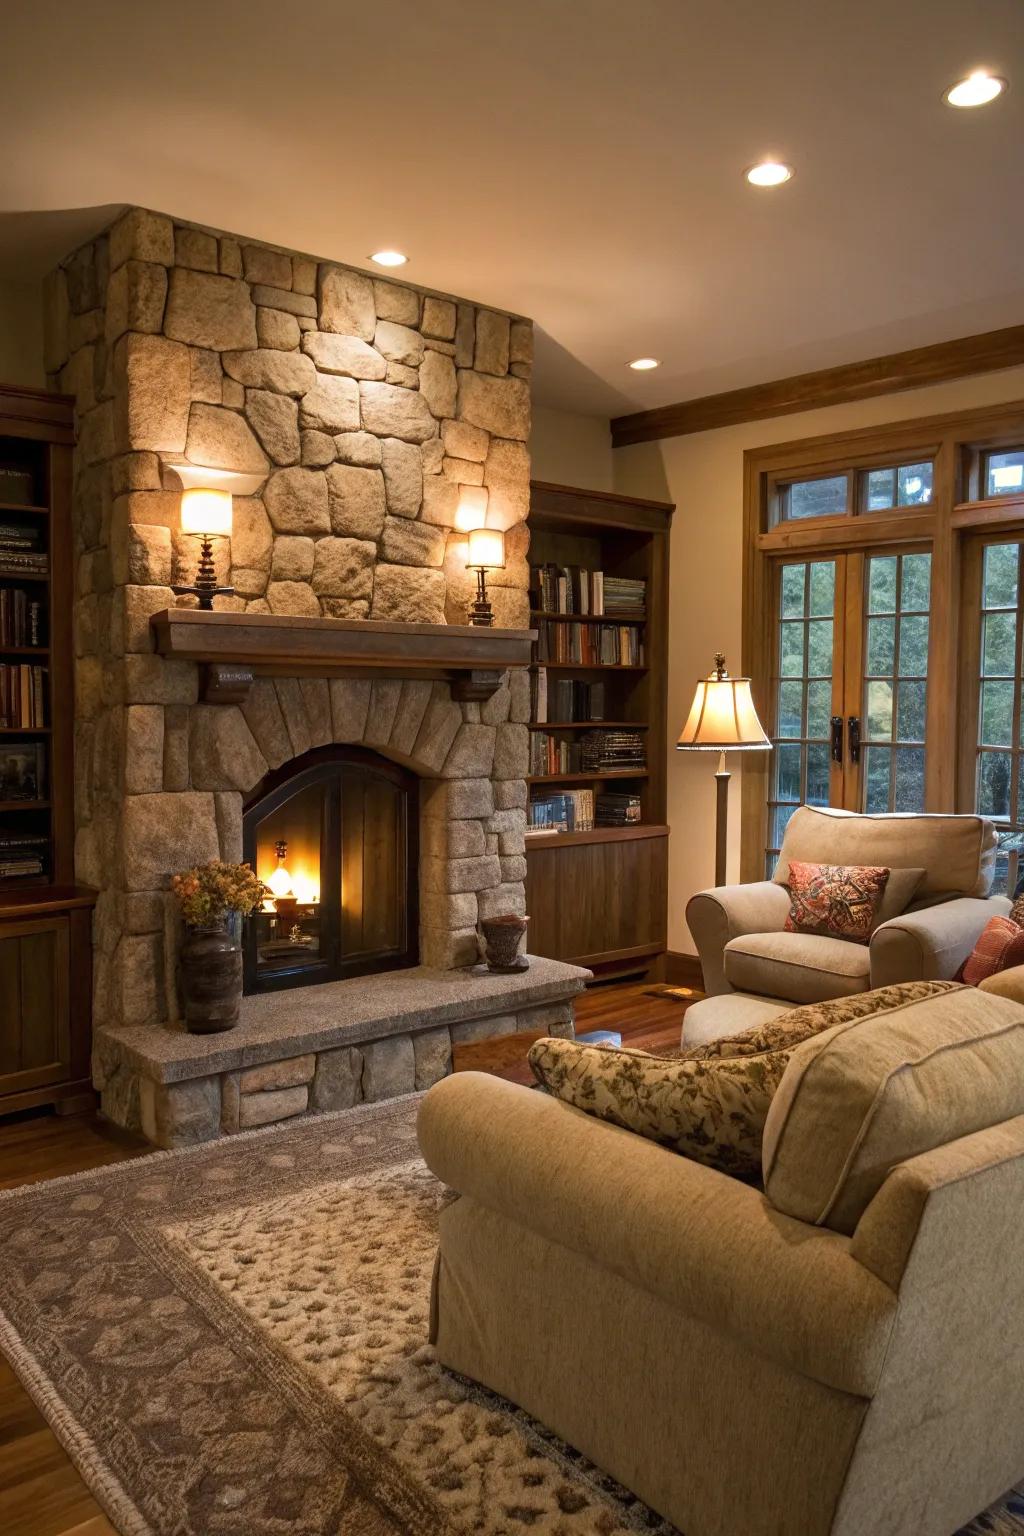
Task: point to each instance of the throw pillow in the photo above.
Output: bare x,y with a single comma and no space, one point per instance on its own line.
711,1111
1000,945
839,901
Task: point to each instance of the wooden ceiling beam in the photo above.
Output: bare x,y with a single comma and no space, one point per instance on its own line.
827,386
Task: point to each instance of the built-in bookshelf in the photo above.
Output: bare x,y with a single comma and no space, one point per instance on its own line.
45,919
597,840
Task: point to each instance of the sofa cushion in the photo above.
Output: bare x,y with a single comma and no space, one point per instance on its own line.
957,853
803,967
839,901
711,1111
875,1091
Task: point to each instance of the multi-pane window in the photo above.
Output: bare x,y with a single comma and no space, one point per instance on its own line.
999,791
895,681
803,690
813,498
1004,473
901,485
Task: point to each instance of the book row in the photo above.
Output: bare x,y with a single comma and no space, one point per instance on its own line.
21,618
589,645
565,699
22,696
22,855
596,752
580,810
575,589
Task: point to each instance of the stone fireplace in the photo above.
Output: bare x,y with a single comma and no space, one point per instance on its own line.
356,408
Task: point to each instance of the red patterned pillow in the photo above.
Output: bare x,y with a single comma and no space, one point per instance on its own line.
840,901
1000,945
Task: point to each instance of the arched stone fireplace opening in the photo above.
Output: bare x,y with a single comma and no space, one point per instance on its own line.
334,836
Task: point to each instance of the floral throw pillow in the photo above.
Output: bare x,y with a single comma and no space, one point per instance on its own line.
711,1111
839,901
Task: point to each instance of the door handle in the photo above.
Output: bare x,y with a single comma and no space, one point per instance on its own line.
837,738
854,738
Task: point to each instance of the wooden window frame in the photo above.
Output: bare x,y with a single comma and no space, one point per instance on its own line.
955,442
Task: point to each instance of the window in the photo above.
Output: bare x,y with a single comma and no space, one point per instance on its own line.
803,689
885,628
895,686
902,485
813,498
1004,473
999,766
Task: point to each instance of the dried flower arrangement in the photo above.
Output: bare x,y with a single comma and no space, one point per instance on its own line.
208,893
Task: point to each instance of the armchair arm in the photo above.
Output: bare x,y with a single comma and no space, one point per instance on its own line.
716,916
932,944
1008,983
711,1247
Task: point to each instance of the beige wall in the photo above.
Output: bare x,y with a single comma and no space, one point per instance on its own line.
568,449
21,335
703,475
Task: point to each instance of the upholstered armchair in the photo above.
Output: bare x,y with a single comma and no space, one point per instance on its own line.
745,951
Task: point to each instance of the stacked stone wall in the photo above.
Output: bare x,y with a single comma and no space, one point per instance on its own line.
359,406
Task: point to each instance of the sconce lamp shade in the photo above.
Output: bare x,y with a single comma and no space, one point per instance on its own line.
206,511
472,509
722,717
486,549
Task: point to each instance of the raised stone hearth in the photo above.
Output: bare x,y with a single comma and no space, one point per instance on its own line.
320,1048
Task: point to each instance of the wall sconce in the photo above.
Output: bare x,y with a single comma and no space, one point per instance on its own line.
206,512
486,553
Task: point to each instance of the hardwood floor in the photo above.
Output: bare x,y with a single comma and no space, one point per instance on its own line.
41,1494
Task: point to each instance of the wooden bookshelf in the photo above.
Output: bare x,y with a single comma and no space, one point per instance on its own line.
599,897
45,918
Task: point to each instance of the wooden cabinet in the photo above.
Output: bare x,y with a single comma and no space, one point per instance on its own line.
45,919
599,897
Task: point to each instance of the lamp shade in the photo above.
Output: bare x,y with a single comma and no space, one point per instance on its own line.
722,716
486,549
206,511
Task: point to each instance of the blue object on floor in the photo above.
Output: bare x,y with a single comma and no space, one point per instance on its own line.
601,1037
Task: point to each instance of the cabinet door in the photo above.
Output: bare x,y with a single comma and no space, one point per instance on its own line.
598,903
35,1045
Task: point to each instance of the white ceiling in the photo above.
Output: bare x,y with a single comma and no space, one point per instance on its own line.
578,161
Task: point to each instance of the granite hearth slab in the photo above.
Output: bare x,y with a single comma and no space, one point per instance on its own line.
276,1026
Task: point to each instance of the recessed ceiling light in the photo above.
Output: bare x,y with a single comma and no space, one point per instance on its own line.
770,173
642,364
389,258
978,88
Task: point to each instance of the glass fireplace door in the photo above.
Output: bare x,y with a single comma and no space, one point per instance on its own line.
294,844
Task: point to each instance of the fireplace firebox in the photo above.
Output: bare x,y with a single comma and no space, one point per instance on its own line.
333,836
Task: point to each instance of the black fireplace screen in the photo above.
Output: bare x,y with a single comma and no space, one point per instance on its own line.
333,838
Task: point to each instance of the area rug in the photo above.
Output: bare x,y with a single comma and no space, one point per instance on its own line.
231,1341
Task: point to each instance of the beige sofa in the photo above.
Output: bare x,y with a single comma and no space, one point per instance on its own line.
841,1355
744,949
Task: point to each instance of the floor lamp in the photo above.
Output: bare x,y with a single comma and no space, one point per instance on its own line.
722,719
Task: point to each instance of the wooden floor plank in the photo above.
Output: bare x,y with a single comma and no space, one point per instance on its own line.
41,1494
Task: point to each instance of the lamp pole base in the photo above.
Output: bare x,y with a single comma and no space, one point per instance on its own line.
722,777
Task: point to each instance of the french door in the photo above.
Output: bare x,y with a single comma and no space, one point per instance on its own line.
848,709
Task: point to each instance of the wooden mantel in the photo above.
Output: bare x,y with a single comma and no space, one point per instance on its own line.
236,647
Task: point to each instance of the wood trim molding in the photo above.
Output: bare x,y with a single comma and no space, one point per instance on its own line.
887,375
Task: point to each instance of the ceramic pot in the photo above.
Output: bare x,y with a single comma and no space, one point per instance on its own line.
502,937
211,977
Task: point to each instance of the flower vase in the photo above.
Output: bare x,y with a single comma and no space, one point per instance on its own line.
211,976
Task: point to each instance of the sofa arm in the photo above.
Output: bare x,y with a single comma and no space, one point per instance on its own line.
716,916
711,1247
930,945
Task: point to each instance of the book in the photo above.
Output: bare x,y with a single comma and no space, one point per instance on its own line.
22,696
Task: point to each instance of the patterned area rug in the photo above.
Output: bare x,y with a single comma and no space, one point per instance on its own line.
231,1341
